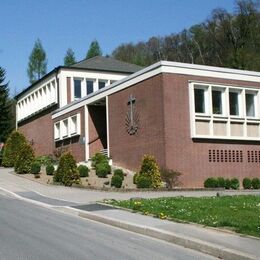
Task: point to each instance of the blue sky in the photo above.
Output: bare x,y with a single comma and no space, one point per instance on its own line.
61,24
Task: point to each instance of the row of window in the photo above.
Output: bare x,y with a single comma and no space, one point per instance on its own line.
67,127
88,86
37,100
226,101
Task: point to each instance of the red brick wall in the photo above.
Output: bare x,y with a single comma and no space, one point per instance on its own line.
127,150
39,131
188,156
74,144
163,106
97,129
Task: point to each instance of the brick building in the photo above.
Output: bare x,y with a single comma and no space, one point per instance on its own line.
202,121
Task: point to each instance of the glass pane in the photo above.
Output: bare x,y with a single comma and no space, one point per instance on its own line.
199,100
77,88
250,105
89,87
216,102
101,84
233,104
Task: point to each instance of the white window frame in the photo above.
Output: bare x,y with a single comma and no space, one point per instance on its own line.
225,117
57,130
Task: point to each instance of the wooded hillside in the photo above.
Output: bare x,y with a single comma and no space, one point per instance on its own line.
225,40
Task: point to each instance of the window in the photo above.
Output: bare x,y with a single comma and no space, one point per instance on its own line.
77,88
65,128
199,95
73,127
90,87
250,104
217,102
233,103
101,84
57,131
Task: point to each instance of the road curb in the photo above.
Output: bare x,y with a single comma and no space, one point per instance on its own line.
188,242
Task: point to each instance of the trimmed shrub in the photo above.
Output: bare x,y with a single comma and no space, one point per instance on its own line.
136,175
227,184
234,183
13,145
211,183
44,160
221,182
35,167
144,182
170,177
24,159
116,181
102,170
247,183
49,169
150,169
119,172
67,172
256,183
98,158
83,170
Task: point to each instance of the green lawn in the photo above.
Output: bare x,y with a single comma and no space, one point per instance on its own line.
237,213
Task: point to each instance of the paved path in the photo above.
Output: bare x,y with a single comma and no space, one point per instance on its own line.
19,184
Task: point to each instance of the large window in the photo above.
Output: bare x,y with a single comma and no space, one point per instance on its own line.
90,86
73,127
250,104
77,88
217,102
199,100
65,128
234,103
57,130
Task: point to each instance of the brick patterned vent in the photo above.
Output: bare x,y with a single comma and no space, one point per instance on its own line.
253,156
226,156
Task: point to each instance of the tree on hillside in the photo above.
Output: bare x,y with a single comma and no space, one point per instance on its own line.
5,108
69,58
37,65
224,39
94,50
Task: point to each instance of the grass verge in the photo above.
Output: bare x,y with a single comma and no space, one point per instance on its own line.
238,213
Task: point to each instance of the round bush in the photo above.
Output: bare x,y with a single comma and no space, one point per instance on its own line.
49,169
211,183
83,171
221,182
227,184
256,183
234,183
119,172
98,158
67,172
144,182
247,183
102,170
35,168
116,181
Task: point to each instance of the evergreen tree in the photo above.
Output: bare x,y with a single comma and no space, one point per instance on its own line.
37,65
5,108
94,50
69,58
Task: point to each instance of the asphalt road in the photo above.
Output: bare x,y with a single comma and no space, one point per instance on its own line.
31,232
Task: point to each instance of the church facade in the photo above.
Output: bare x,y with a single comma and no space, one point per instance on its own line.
199,120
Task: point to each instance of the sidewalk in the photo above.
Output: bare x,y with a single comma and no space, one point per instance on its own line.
82,202
15,184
